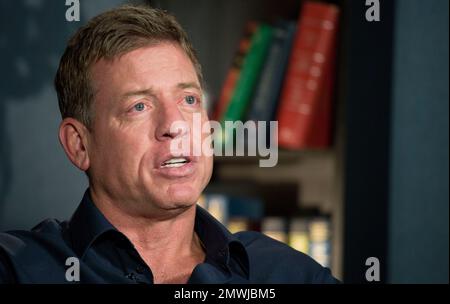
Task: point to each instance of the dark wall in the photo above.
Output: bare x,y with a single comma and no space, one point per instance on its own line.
368,68
397,100
36,179
418,245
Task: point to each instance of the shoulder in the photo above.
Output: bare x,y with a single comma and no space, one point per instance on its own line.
16,239
272,261
44,234
27,249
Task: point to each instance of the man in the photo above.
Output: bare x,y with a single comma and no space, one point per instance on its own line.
124,79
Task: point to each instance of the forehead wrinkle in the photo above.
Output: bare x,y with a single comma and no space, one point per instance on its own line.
136,65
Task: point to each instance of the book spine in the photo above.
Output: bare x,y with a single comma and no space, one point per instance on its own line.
275,228
238,224
218,206
268,88
310,57
234,71
248,77
321,136
320,241
299,235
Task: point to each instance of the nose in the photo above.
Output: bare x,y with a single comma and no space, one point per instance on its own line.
170,122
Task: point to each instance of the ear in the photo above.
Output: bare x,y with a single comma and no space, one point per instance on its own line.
73,136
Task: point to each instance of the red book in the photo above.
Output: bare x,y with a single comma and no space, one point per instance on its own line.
322,120
304,114
234,71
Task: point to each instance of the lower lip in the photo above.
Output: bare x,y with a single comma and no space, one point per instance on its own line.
176,172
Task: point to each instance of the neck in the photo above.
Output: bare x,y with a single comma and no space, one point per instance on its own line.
159,241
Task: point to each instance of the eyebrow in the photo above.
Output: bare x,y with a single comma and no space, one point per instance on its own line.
188,85
147,92
151,92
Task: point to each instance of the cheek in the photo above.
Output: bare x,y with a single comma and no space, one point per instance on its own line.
208,167
121,147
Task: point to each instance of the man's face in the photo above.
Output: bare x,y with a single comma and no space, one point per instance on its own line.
137,98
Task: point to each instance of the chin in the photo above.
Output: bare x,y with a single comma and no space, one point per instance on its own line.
182,195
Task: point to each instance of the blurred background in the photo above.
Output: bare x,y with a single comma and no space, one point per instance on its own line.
374,185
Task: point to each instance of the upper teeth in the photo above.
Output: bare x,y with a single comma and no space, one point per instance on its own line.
174,162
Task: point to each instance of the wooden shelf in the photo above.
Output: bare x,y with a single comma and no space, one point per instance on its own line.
284,157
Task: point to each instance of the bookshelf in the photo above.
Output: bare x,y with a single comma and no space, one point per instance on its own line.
304,181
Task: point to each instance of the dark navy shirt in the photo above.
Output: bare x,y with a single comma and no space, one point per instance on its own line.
105,255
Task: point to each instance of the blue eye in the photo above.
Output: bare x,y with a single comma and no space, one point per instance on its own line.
190,99
139,107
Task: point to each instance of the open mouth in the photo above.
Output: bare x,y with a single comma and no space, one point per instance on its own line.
175,162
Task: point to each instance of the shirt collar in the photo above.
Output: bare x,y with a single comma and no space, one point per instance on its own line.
88,224
220,245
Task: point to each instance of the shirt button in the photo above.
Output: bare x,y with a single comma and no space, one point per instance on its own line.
130,276
140,269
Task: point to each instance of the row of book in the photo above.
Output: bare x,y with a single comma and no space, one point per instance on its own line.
285,72
308,234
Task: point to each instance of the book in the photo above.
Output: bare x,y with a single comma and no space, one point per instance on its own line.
245,213
246,83
250,71
237,224
320,240
299,234
228,208
321,137
303,90
308,233
264,101
275,227
217,205
234,71
249,207
202,202
266,96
